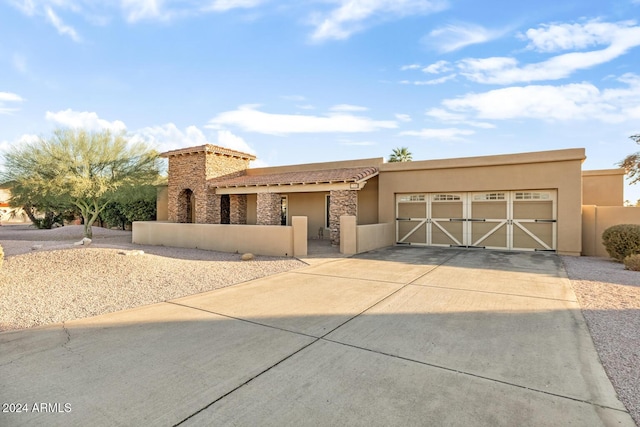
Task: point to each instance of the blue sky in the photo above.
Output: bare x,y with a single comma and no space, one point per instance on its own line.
299,82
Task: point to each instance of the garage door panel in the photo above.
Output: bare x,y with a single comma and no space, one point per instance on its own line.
447,210
412,210
533,210
489,234
447,233
414,232
489,210
532,235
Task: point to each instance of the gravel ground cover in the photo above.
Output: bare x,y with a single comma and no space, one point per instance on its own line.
609,297
61,282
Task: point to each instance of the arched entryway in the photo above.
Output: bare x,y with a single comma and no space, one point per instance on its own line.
186,206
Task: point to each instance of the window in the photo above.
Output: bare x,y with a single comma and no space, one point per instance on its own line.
411,198
532,195
445,197
284,205
327,217
489,196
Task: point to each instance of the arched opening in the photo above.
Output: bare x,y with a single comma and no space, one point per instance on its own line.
225,209
186,206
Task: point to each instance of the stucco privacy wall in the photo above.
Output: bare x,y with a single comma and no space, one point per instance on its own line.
596,219
559,169
603,187
257,239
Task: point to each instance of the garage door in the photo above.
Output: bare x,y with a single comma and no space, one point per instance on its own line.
518,220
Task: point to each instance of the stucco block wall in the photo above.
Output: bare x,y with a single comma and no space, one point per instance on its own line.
596,219
603,187
368,203
311,205
162,203
560,170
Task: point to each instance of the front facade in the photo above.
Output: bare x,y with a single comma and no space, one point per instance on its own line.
528,201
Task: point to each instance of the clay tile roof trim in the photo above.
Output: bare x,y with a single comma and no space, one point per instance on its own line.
329,176
208,148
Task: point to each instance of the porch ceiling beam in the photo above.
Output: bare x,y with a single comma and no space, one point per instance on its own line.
296,188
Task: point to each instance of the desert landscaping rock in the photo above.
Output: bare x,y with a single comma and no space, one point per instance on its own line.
247,257
62,282
609,297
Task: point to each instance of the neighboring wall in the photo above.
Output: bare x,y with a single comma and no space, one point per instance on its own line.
596,219
560,169
603,187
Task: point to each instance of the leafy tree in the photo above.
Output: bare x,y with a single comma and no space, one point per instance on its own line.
82,169
400,155
131,204
631,163
44,210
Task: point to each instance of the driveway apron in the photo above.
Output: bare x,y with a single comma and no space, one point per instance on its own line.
398,336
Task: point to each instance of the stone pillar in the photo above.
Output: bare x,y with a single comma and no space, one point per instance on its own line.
268,209
238,203
341,202
213,208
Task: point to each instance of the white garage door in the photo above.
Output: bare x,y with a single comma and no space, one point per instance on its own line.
518,220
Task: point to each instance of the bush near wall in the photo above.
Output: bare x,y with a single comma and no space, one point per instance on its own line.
632,262
622,240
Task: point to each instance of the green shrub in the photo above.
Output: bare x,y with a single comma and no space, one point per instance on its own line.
622,240
1,256
632,262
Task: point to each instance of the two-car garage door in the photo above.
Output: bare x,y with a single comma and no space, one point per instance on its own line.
514,220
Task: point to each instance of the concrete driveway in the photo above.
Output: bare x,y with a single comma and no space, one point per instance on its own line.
399,336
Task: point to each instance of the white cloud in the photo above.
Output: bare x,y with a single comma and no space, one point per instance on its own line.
438,67
62,28
347,107
403,117
449,117
558,37
225,5
234,142
577,101
444,134
8,97
620,37
454,37
249,119
352,16
137,10
410,67
23,140
85,120
306,107
437,81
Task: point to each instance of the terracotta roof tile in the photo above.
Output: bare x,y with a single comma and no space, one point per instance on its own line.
291,178
209,148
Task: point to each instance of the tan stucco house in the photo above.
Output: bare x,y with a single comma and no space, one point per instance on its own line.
528,201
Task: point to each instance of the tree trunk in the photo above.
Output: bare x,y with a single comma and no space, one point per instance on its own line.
88,231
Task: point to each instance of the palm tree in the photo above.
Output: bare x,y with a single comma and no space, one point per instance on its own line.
400,155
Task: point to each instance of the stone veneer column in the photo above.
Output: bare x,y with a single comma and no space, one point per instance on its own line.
213,207
268,209
341,202
238,203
